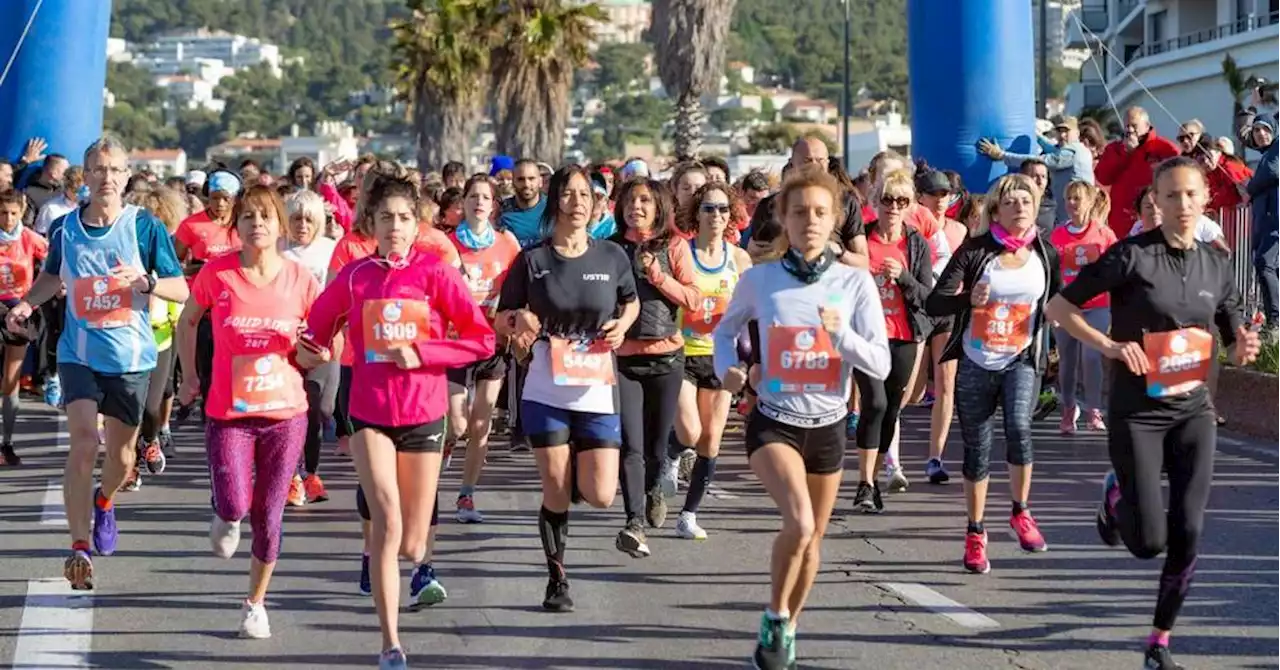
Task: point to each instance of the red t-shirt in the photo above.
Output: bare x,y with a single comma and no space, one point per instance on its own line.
206,239
18,261
896,324
486,269
254,332
1080,249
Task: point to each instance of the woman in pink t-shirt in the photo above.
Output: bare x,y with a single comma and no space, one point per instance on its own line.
256,407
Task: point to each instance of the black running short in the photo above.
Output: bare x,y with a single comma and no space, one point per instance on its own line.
490,369
701,372
417,438
821,447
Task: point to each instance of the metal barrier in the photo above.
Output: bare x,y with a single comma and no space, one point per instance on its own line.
1237,228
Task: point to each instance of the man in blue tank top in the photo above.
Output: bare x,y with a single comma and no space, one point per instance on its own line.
111,258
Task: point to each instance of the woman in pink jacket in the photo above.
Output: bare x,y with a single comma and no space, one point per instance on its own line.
397,304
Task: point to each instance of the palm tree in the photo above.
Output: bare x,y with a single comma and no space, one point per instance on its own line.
689,39
441,57
539,43
1237,83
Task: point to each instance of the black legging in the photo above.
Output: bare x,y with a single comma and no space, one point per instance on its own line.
648,401
204,354
341,405
881,401
54,312
317,386
1143,446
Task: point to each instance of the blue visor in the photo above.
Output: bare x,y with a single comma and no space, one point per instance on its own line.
224,182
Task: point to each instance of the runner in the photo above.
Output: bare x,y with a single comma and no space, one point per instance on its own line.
486,256
398,304
1084,238
311,249
21,252
825,321
116,257
256,410
996,286
568,302
899,261
1162,419
704,404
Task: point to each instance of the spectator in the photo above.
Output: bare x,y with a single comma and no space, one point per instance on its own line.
1092,137
6,174
1039,173
1262,190
1227,147
1189,135
1126,166
63,203
1068,160
48,183
1226,178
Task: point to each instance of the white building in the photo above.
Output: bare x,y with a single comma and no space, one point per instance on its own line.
1057,16
886,132
235,51
332,141
627,21
189,92
118,50
1175,49
162,162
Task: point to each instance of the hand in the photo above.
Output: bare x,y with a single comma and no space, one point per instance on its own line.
127,274
990,149
34,150
648,263
526,324
832,320
1131,141
892,268
62,290
613,333
1131,354
1246,348
190,389
981,294
735,379
405,357
16,319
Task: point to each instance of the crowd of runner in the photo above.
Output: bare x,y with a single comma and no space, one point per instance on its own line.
615,319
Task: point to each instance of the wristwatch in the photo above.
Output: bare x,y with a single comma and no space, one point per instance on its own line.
151,284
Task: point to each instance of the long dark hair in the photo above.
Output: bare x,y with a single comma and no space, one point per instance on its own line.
556,188
664,210
383,188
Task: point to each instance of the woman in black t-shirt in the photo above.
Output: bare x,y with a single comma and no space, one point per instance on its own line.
1167,291
569,301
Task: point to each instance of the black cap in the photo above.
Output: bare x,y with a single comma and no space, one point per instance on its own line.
932,182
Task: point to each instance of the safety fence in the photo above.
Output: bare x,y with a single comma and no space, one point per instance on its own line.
1237,228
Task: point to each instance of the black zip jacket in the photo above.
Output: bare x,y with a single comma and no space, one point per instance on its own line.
915,281
950,295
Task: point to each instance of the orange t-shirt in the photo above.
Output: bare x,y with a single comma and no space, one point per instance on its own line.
486,269
254,332
18,261
206,239
896,323
1077,250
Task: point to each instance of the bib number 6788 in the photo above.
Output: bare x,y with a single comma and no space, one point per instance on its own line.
804,360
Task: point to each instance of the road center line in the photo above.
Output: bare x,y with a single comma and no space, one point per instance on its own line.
53,512
57,627
940,604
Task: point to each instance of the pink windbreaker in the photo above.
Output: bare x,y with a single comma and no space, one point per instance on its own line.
383,394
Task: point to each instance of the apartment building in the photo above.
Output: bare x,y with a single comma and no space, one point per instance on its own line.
1057,16
235,51
627,21
1175,49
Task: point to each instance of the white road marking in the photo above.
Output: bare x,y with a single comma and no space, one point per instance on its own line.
940,604
54,511
62,438
57,627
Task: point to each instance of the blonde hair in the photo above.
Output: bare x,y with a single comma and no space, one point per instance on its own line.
1005,186
167,205
1099,206
896,183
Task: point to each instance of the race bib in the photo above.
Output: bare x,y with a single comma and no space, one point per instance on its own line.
1002,327
1179,361
393,323
103,302
801,359
703,320
890,296
260,384
1077,257
13,277
581,363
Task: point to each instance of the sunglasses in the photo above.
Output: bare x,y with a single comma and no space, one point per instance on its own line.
1183,138
899,202
713,208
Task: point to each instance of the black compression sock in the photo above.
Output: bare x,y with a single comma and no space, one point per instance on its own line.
553,530
976,527
1019,507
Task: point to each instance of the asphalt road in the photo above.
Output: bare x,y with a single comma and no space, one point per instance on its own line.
891,595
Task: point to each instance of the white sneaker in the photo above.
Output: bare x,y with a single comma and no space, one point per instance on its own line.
898,480
253,621
687,527
667,477
224,537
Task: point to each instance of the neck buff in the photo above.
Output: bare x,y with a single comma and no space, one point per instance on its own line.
1071,228
471,240
807,271
1009,241
8,238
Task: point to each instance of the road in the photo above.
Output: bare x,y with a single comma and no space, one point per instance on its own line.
891,594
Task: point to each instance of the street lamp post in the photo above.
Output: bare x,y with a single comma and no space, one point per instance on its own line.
848,96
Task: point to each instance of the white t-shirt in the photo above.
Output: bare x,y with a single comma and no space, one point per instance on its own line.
314,257
54,209
1008,327
1207,230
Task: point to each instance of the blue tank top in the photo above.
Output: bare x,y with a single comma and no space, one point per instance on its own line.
108,325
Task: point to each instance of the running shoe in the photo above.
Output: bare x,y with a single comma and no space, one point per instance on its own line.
655,508
105,533
154,457
520,445
8,456
134,481
851,425
1070,415
1028,532
53,391
1095,421
393,659
167,446
936,471
928,399
467,512
1106,520
424,589
557,598
898,481
78,569
863,500
1159,658
789,638
313,489
253,621
446,457
876,498
975,553
688,528
366,582
685,470
632,540
344,446
772,651
297,493
224,537
1045,405
668,474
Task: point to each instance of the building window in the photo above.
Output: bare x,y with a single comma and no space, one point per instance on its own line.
1156,32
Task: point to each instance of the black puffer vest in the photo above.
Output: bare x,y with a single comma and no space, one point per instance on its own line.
657,320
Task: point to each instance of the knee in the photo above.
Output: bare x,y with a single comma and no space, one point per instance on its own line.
599,497
875,404
266,539
798,532
977,463
1019,450
813,550
1146,547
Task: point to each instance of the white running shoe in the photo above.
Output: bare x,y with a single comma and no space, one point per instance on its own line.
253,621
898,479
667,477
687,527
224,537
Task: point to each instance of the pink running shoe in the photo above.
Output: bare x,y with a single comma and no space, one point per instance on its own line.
975,553
1095,422
1070,414
1028,533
